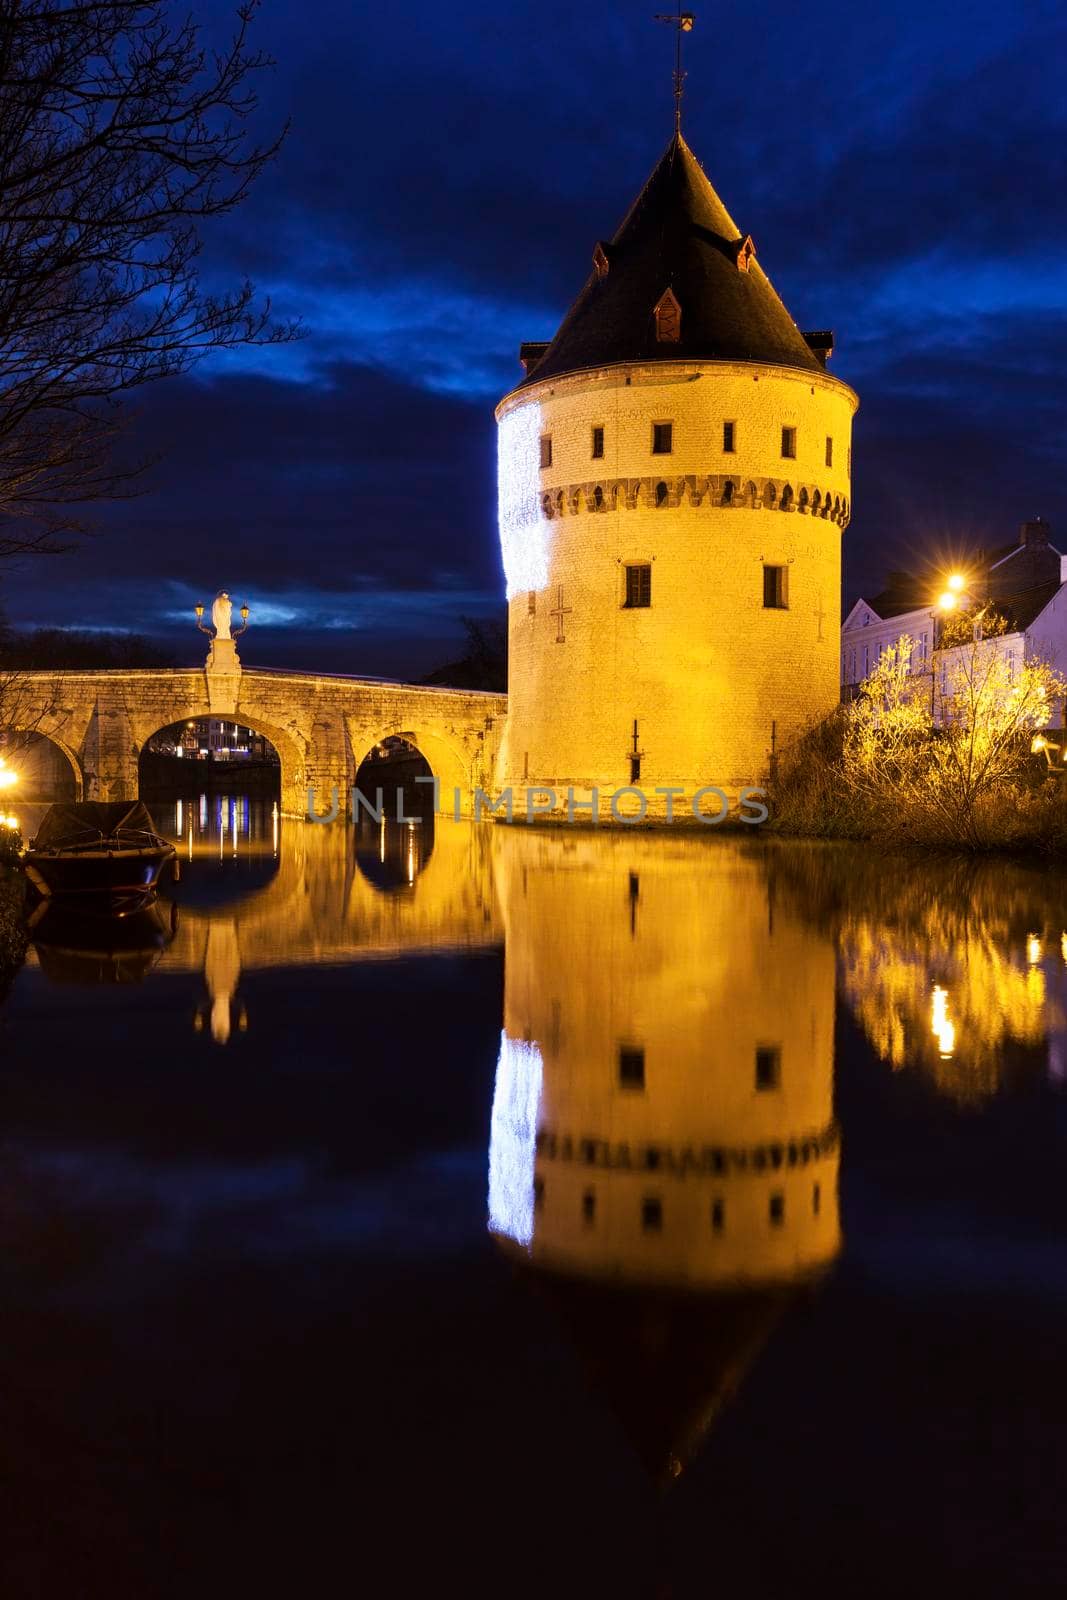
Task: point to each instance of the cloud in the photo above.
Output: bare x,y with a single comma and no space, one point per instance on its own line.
902,168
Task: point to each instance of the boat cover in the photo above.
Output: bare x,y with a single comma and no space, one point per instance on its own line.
82,822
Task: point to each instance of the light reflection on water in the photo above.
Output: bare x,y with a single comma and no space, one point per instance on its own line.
665,1155
957,970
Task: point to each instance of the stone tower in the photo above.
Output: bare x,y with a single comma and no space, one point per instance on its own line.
673,485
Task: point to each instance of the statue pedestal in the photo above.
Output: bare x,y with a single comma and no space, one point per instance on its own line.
223,657
223,672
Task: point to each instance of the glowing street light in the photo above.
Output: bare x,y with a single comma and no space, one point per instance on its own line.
957,582
8,778
947,601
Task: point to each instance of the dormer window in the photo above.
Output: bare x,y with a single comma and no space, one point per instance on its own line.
668,315
601,264
746,253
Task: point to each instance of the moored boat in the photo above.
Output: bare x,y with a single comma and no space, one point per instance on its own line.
101,850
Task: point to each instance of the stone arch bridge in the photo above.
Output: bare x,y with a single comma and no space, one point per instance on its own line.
321,725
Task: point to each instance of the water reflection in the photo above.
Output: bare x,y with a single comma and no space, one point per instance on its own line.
663,1147
663,1155
955,969
283,893
73,945
391,855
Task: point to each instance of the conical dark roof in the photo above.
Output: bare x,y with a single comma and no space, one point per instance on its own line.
664,1361
677,235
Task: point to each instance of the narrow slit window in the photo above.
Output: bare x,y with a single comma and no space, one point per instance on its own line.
775,588
662,438
531,601
631,1066
589,1207
729,435
789,443
638,585
652,1214
768,1066
598,443
829,451
546,450
776,1209
718,1216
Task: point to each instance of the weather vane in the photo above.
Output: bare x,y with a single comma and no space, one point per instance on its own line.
682,22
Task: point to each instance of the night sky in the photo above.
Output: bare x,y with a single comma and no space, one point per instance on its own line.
901,166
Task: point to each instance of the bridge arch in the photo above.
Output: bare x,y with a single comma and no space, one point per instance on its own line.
20,753
446,762
292,753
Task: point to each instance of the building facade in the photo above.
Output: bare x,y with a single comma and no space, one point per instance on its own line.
1024,582
674,480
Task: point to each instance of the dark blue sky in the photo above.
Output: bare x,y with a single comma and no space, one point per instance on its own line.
902,167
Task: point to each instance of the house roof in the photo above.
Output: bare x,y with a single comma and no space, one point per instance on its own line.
1025,607
1019,609
679,236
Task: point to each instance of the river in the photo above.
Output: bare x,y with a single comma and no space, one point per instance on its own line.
515,1212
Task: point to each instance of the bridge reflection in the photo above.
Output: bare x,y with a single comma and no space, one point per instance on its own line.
259,891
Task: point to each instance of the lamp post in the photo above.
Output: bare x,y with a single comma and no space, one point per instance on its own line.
946,602
237,632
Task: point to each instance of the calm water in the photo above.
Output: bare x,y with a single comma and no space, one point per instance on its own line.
440,1209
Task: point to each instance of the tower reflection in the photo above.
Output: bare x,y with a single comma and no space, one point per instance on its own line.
663,1149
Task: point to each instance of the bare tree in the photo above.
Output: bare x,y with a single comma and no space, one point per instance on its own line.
119,135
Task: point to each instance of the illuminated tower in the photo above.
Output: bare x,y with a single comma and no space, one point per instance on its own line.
663,1146
674,479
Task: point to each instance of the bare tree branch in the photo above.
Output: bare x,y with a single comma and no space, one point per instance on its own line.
119,135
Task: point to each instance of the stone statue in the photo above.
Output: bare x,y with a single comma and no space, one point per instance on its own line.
221,612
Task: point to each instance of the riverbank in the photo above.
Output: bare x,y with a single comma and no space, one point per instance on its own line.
919,791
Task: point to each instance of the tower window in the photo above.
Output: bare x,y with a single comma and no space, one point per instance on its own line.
816,1198
789,442
531,601
775,588
631,1066
829,451
546,450
776,1209
718,1215
668,315
598,443
729,430
589,1207
539,1193
662,438
638,585
768,1066
651,1214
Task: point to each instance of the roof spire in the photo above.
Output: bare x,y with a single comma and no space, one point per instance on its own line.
682,22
